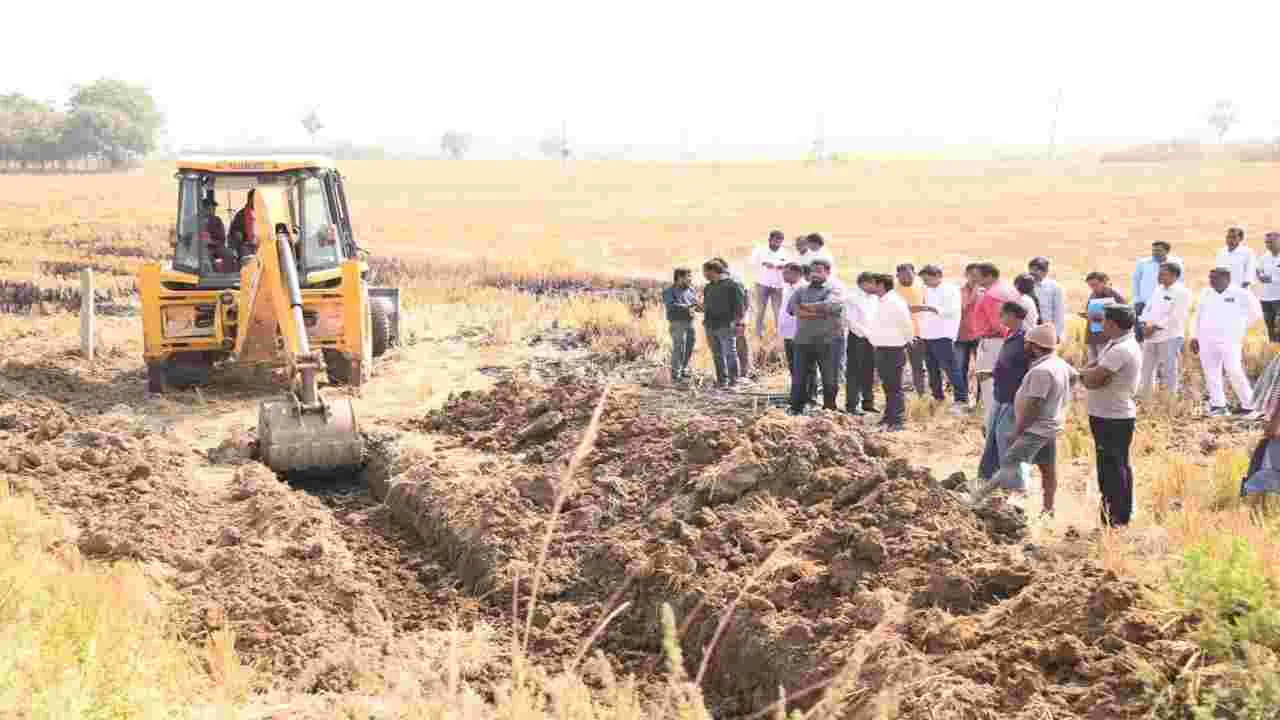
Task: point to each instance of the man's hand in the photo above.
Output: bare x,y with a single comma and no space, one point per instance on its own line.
923,308
1195,346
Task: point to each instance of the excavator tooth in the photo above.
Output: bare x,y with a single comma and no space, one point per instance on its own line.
291,440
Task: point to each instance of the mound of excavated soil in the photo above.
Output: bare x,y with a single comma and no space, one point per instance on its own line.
820,548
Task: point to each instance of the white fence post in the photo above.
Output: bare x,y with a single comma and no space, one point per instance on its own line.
86,313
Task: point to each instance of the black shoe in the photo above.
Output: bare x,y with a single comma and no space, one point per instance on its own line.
870,409
894,427
855,411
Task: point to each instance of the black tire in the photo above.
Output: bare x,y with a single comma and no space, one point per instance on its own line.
183,370
380,312
338,367
155,377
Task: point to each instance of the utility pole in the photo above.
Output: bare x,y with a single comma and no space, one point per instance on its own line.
819,142
1053,124
564,142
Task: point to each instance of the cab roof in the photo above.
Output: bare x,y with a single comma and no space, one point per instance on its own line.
254,162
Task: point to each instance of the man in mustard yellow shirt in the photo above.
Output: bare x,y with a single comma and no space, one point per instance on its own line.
910,292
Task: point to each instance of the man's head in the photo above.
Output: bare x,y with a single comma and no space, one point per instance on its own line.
988,274
724,265
712,270
1098,281
792,273
1117,321
1160,250
867,283
884,284
1272,240
682,277
1220,279
815,242
775,240
971,274
819,271
1041,341
802,244
1170,273
906,274
1025,284
1012,315
1235,236
931,275
1039,268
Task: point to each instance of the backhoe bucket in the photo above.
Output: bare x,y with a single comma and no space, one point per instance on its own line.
292,438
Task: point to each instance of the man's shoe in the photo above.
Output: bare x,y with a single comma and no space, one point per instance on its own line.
894,427
855,411
1242,411
1217,412
870,409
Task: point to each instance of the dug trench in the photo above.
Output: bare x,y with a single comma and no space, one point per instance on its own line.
795,552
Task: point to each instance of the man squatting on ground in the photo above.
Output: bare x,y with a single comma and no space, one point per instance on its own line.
890,334
681,302
1225,314
1112,382
819,312
768,262
723,311
1164,326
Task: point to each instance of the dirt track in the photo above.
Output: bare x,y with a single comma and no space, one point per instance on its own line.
823,546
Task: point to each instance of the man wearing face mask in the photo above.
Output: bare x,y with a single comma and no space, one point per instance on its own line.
819,312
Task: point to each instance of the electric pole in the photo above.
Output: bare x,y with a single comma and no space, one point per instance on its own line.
1053,124
819,142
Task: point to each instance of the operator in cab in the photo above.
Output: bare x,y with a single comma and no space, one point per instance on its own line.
212,224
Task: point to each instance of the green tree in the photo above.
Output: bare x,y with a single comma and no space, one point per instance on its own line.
118,119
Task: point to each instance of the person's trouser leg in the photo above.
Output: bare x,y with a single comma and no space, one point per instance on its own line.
1015,461
826,360
839,350
859,373
915,352
1171,364
1233,365
990,461
1152,354
960,376
1270,313
1137,327
680,332
941,356
789,349
988,353
867,372
743,360
762,307
801,375
717,338
1111,439
891,363
775,304
1212,359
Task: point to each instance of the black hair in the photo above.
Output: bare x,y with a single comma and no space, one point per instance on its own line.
794,266
777,234
820,261
1121,315
1026,284
1162,244
679,273
866,277
816,239
1097,275
1039,263
971,267
1173,268
713,265
987,269
906,267
1014,309
1236,232
884,281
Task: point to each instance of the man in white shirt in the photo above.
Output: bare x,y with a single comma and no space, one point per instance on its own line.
1238,259
939,320
792,278
1052,299
818,251
1223,320
1164,324
1269,277
767,263
891,333
1146,278
861,304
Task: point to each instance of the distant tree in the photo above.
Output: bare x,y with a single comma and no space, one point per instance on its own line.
311,122
1222,116
121,117
455,144
554,144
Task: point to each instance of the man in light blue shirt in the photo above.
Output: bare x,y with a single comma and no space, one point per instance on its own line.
1146,277
1052,299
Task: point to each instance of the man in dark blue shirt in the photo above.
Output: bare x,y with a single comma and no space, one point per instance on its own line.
681,302
1011,367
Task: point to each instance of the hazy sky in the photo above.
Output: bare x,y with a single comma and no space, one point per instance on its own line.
644,72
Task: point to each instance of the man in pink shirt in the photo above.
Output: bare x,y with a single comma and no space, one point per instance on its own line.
988,330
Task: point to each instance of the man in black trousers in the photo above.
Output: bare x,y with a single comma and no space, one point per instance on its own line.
1112,382
860,308
819,312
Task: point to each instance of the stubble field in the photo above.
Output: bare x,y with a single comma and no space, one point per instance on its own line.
688,498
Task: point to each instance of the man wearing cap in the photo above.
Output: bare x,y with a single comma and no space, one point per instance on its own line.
1164,323
1146,278
938,320
1052,299
1269,277
1238,258
1226,313
767,261
1112,382
1040,412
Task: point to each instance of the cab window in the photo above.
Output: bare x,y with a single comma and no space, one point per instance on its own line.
186,254
319,234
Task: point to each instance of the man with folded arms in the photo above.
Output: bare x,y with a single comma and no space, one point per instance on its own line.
938,319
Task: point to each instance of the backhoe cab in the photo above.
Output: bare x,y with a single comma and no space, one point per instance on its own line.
280,281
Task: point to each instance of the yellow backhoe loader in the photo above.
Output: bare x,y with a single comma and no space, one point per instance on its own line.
281,283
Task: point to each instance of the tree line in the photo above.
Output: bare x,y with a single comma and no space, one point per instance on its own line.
106,124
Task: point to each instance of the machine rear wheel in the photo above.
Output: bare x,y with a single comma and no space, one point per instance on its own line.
380,314
341,370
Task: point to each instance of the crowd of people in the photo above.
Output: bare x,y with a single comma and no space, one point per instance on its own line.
1002,336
